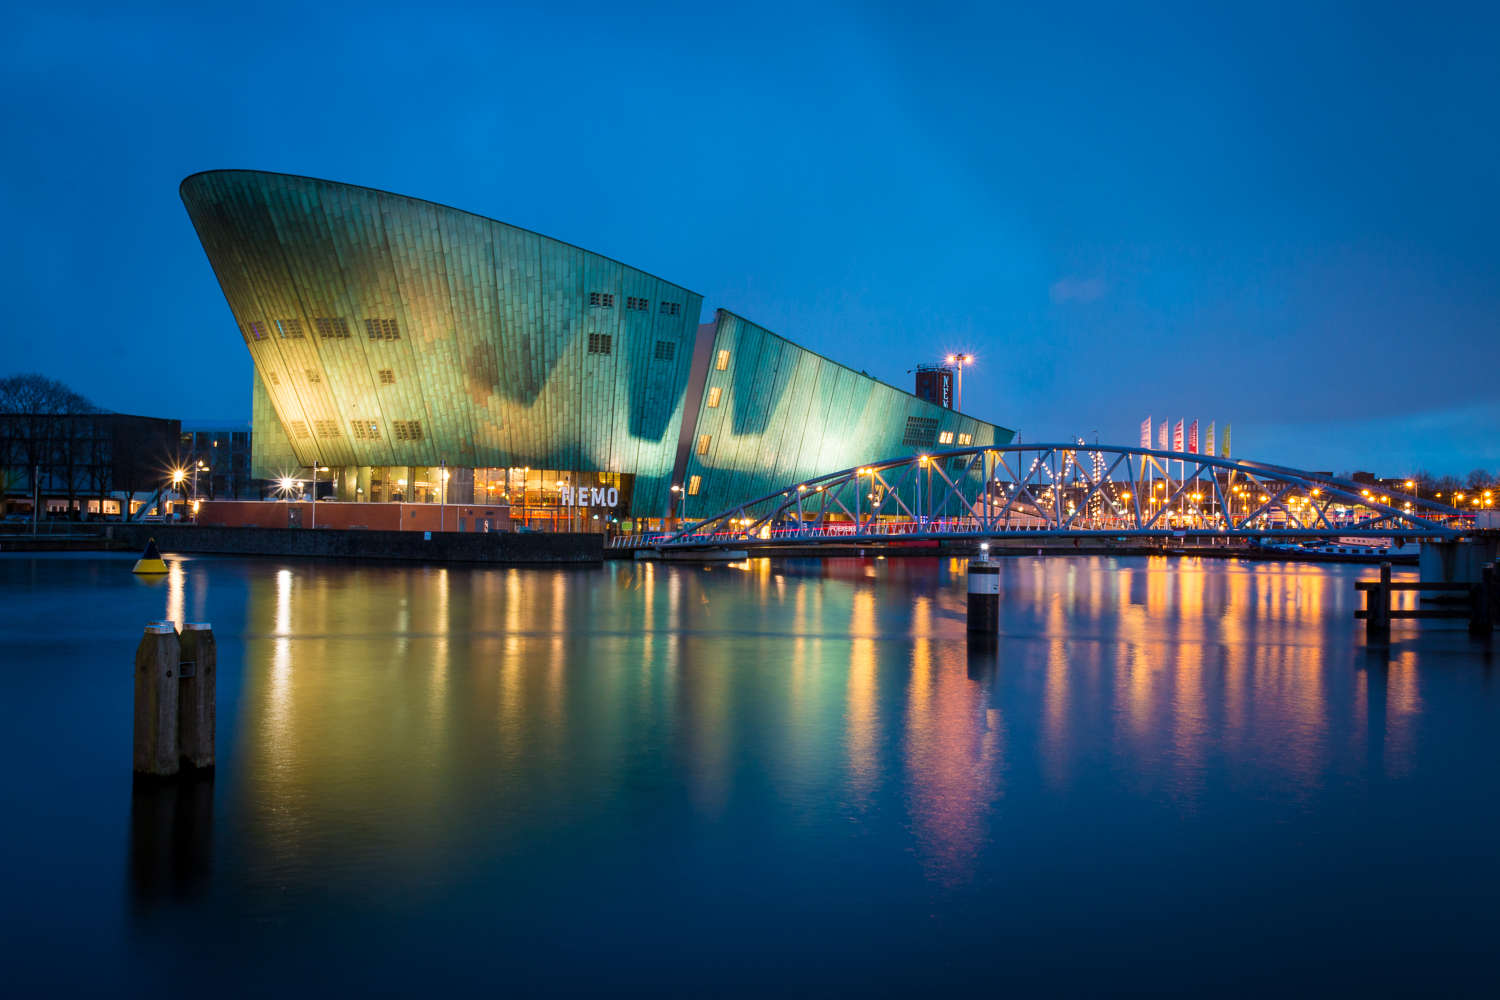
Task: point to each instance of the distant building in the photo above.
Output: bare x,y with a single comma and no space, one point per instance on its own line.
84,465
220,452
935,384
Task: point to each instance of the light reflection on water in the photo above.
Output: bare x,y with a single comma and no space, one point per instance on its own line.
775,754
1166,671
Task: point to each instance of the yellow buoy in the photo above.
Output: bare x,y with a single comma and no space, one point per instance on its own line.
150,560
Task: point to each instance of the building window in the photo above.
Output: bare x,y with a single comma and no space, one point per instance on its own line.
966,439
382,329
290,329
298,429
920,431
640,305
187,438
665,350
599,343
603,300
332,327
327,429
313,377
366,430
408,430
723,361
240,437
275,379
387,376
693,483
671,308
713,395
945,438
703,444
257,331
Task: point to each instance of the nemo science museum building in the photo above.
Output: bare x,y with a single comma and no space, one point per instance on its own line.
422,354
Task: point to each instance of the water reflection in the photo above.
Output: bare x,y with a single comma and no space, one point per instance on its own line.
171,838
441,713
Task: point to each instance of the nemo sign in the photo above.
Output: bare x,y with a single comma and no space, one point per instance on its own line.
585,496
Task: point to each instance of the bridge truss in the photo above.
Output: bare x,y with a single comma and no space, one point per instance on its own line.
1063,490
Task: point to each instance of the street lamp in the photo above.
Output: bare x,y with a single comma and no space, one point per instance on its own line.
317,467
958,361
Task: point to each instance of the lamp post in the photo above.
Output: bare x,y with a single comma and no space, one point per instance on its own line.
958,361
680,501
317,463
442,494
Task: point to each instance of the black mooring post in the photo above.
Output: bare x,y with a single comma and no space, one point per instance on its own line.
1378,605
1491,593
984,596
1480,620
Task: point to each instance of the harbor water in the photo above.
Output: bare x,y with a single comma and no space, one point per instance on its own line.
1164,777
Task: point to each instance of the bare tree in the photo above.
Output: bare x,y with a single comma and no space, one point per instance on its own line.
41,428
1479,479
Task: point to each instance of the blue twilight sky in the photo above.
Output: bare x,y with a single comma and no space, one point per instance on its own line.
1280,216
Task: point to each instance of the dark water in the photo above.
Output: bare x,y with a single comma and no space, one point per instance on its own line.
794,777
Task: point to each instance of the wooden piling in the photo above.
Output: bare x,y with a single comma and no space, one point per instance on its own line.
197,696
156,669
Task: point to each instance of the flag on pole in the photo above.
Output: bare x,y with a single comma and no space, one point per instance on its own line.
1226,439
1177,437
1146,432
1208,442
1161,436
1193,438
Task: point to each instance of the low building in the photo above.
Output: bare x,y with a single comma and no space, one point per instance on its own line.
85,466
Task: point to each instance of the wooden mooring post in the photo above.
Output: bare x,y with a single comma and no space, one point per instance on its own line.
1483,609
175,699
197,696
156,668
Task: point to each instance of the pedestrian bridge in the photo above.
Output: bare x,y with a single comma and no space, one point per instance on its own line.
1074,491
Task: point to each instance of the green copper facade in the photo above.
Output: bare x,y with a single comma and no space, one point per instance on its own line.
388,331
783,413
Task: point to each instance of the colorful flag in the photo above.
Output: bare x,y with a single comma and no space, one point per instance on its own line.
1161,436
1177,437
1226,439
1208,442
1146,433
1193,438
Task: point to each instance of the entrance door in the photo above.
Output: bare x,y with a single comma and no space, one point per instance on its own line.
294,517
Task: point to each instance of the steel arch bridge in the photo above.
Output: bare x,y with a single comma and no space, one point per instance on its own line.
1062,491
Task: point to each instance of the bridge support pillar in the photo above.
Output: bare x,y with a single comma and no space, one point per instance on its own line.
984,596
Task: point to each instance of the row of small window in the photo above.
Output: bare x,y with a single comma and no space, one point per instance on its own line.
603,343
328,327
387,376
606,300
364,430
208,439
922,431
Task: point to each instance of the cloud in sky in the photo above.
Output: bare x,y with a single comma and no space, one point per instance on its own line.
1070,289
